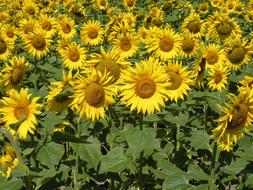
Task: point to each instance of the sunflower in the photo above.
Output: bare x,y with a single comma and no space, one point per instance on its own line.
6,48
126,44
249,16
239,8
194,25
111,62
129,4
30,8
246,85
8,161
38,43
199,71
144,87
222,27
100,4
189,46
66,27
26,26
214,55
9,32
156,16
216,3
230,6
62,44
203,8
93,94
238,53
237,120
14,73
74,56
119,28
92,33
165,45
20,107
58,98
48,24
180,79
218,77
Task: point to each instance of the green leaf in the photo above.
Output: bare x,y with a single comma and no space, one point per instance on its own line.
199,139
181,119
50,154
235,167
12,184
249,180
49,68
45,176
67,137
20,171
196,173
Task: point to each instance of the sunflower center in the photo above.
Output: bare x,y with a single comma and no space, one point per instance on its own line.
175,80
10,33
212,57
203,7
193,26
74,55
95,94
130,3
92,33
166,44
46,25
238,8
102,2
66,28
30,10
61,98
111,67
125,45
145,88
217,77
236,55
240,114
28,28
230,5
188,45
224,28
16,75
21,110
3,46
158,22
38,42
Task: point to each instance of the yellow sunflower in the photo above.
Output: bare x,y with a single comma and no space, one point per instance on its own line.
189,46
222,27
119,28
194,25
8,161
165,45
48,24
199,71
238,53
218,78
26,26
129,4
66,27
109,61
38,43
144,87
216,3
9,32
6,48
92,33
14,73
58,98
100,4
249,16
30,8
246,85
203,8
73,56
127,44
180,79
20,107
93,94
237,120
62,44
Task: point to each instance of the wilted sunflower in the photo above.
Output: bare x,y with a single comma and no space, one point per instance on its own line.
189,46
14,73
58,98
73,56
246,85
165,44
111,62
8,161
214,55
38,43
194,25
218,77
238,53
66,27
9,32
127,44
93,94
6,47
92,33
19,106
237,120
180,79
144,87
26,26
47,24
222,27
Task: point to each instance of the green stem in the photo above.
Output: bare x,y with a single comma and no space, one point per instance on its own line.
178,142
212,185
140,180
76,169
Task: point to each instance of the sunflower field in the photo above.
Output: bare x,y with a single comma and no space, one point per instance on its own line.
126,94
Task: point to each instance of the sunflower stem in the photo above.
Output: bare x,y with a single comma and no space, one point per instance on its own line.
177,134
141,159
76,169
212,185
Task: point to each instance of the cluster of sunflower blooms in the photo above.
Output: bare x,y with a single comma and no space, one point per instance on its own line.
99,59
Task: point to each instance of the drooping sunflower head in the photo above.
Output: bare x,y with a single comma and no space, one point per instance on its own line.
144,88
93,94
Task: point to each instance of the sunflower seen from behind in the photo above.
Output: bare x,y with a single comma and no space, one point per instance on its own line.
19,106
94,93
144,87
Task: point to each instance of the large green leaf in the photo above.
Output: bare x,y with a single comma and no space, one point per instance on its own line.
235,167
196,173
12,184
199,139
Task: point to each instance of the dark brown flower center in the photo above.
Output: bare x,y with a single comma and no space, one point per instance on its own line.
145,88
111,67
166,44
175,80
224,28
125,45
74,54
230,5
157,22
130,3
28,28
47,25
187,45
203,7
236,55
66,28
92,33
102,2
95,94
212,57
194,26
38,42
21,110
16,75
30,10
10,33
217,77
240,115
3,46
